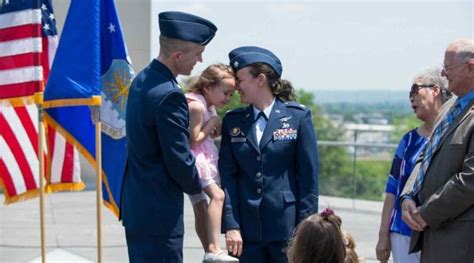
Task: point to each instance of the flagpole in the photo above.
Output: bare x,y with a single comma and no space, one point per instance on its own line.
98,160
39,103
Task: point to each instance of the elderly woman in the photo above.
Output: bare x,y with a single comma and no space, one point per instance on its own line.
268,160
428,93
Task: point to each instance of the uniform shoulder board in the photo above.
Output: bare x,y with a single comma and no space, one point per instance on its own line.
294,104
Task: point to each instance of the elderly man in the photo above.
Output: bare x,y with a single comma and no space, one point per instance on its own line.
160,166
440,208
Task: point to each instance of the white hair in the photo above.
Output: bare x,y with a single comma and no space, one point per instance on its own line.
464,49
433,76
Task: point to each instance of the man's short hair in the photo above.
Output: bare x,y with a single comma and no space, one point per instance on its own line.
170,45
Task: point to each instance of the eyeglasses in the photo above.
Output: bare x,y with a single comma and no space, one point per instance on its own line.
446,68
416,87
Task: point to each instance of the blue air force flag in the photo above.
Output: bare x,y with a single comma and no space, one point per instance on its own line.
92,60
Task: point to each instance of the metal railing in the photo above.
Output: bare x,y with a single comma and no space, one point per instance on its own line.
356,145
87,172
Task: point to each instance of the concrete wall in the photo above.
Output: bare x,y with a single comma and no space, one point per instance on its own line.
135,17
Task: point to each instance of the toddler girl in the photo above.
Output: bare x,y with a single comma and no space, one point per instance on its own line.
213,88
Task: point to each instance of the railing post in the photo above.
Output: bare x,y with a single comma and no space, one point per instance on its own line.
354,171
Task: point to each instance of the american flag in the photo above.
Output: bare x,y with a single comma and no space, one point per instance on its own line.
28,42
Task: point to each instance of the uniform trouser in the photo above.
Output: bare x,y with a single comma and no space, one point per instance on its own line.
263,252
144,247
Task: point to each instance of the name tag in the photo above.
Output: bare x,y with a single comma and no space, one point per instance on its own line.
238,139
285,134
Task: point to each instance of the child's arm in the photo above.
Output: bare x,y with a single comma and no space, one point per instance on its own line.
197,133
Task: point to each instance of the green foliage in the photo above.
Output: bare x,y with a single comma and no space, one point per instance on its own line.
371,178
335,171
337,178
336,166
403,123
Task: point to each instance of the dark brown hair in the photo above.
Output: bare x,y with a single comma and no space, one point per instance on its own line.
211,76
279,87
318,239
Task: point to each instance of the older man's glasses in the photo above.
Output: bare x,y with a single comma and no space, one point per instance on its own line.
416,87
446,68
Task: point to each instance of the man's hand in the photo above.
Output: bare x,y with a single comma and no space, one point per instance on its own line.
419,218
411,215
233,241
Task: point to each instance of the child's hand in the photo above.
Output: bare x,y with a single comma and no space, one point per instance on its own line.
216,132
216,122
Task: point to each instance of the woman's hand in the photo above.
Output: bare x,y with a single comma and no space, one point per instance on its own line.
383,248
234,242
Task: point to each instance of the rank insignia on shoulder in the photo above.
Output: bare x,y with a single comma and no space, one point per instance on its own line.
235,131
285,134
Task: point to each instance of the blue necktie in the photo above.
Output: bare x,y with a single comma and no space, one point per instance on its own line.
433,144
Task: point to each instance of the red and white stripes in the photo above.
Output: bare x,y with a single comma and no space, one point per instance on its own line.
26,55
65,166
19,167
21,69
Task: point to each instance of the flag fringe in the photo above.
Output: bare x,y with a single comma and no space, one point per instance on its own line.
112,205
30,194
51,188
72,102
17,101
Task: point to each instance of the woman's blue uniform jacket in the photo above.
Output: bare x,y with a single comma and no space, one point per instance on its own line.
160,166
269,188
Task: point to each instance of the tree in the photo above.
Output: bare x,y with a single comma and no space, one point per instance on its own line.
336,167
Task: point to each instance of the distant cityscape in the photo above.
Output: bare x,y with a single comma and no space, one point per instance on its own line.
392,97
365,116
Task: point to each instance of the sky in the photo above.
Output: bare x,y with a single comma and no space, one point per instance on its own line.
333,45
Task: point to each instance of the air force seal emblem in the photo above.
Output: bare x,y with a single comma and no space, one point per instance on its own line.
235,131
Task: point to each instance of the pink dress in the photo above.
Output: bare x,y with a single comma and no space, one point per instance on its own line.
206,152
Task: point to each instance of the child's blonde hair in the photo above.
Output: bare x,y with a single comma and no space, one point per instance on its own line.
351,255
211,76
318,238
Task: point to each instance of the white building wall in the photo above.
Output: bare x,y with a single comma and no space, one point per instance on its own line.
136,20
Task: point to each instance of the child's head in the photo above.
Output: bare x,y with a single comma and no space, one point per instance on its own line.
216,84
351,255
318,238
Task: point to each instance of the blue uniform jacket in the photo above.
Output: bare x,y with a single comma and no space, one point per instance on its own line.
160,166
269,188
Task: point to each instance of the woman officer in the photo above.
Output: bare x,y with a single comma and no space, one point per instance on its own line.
268,160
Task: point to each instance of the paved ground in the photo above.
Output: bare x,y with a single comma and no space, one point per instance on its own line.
71,229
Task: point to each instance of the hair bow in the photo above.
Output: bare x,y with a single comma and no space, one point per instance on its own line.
326,213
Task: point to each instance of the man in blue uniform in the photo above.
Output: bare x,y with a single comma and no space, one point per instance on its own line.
160,166
268,160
